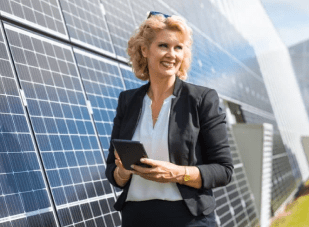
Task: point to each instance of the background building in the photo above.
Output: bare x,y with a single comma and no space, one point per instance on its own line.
62,67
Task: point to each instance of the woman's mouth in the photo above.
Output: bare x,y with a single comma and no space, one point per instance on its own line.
167,64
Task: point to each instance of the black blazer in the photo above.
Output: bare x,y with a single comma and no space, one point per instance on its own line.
197,137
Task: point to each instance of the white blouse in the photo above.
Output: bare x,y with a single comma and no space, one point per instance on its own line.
155,140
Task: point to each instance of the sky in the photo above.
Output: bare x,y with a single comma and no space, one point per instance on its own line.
290,18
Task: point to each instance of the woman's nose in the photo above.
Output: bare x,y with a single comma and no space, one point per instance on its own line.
171,53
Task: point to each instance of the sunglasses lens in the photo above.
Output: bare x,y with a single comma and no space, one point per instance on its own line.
152,13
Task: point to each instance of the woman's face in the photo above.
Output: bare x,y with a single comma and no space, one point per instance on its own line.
165,54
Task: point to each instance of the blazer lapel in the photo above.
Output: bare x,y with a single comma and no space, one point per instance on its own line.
135,107
176,125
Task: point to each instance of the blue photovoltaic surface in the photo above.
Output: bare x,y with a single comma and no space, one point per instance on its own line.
140,9
120,24
103,83
23,195
130,80
86,24
63,129
207,69
41,14
162,7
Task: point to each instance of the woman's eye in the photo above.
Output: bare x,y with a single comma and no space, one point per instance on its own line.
179,47
163,45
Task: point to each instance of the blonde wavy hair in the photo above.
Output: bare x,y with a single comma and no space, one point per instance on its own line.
145,35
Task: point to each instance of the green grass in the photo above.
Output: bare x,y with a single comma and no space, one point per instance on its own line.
296,214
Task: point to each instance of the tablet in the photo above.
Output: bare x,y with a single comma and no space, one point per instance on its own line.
130,152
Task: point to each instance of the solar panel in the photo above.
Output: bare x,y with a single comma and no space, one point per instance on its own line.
64,130
103,84
86,24
163,7
235,206
285,174
120,23
130,80
140,9
41,14
24,198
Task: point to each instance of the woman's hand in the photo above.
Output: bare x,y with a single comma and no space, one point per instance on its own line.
123,172
161,171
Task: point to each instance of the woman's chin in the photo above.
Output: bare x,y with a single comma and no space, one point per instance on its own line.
167,74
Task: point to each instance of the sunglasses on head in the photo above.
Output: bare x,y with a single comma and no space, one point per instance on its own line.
152,13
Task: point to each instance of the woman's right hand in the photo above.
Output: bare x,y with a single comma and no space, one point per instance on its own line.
123,172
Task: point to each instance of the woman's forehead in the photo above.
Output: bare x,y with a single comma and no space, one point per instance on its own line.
170,35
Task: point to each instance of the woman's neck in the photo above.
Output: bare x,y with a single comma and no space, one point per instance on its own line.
161,88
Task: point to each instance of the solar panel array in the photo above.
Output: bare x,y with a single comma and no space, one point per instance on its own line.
62,67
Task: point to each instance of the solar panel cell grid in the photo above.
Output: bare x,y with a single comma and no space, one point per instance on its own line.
22,187
140,9
130,80
63,130
103,83
120,23
234,204
86,24
41,14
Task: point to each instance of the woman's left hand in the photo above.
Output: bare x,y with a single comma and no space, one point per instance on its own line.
161,171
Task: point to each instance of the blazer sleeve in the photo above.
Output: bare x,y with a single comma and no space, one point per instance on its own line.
217,167
110,163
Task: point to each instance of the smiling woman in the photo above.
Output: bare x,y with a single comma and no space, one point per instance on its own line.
165,54
148,32
181,127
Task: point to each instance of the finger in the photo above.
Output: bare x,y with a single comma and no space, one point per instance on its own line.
117,163
140,169
149,161
135,172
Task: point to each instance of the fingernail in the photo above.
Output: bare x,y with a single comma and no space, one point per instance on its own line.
132,166
142,159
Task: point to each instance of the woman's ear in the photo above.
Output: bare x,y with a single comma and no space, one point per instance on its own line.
144,50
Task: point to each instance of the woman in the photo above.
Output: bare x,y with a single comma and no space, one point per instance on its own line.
181,126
